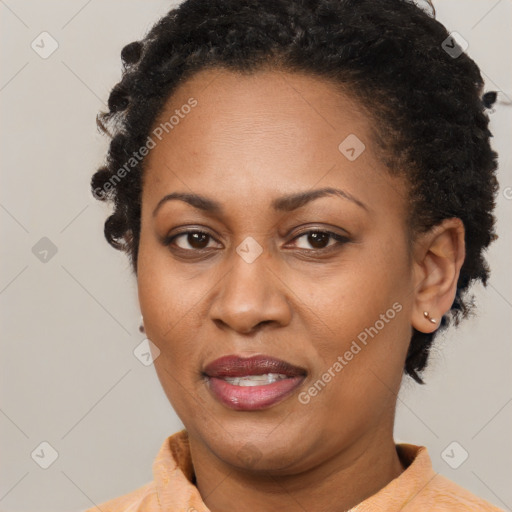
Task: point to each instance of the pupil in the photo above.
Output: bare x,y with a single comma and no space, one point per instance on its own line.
315,237
197,240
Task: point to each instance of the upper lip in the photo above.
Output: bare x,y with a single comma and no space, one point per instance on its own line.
236,366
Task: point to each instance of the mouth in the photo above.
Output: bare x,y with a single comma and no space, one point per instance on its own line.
252,383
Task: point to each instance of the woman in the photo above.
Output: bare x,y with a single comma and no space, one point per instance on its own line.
305,190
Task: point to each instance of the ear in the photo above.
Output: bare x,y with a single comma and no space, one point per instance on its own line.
438,258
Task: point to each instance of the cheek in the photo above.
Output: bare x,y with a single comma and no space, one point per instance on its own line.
364,310
169,306
167,302
364,292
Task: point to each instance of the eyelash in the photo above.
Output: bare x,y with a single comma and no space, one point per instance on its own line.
340,240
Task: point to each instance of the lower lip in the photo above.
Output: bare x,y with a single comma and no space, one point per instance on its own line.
252,398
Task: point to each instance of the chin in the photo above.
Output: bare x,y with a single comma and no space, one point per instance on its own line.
277,457
271,446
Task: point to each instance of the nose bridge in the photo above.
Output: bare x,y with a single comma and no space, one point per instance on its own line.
250,293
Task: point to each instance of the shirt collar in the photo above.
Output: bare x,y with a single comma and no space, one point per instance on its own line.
174,476
404,488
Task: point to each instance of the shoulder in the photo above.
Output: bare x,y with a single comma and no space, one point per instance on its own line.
143,499
442,494
169,481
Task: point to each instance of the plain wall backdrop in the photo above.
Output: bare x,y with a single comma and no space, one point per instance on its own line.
70,316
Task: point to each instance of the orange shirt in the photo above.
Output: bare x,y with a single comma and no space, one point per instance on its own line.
418,489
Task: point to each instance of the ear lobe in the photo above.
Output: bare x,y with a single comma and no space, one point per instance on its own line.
439,255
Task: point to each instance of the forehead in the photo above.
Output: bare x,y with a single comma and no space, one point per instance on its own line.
261,134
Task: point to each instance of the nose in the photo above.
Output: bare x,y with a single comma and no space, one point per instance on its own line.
250,295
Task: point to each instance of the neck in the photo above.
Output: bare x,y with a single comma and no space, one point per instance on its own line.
335,485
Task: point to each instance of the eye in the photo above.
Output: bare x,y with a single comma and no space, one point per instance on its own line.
320,239
196,240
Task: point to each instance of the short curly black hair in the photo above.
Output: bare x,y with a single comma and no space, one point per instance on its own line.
424,95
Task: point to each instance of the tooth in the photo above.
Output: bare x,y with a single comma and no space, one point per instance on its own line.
255,380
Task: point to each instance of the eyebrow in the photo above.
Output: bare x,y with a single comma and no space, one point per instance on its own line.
286,203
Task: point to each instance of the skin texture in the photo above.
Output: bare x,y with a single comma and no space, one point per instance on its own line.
252,139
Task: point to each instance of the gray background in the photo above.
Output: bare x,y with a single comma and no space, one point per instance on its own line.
70,324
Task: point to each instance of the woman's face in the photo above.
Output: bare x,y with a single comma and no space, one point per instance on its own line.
257,281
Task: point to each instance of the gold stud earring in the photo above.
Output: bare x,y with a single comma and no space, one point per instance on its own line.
427,316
